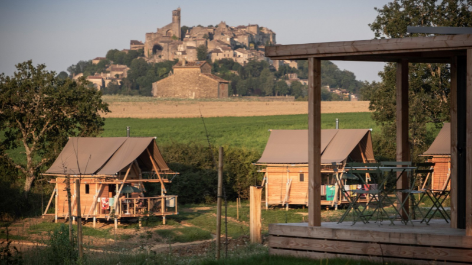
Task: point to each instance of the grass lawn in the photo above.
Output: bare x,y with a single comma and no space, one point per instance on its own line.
247,132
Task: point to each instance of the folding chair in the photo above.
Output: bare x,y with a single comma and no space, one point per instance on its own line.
423,170
355,171
438,197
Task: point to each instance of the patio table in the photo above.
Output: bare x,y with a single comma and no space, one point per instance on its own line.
379,196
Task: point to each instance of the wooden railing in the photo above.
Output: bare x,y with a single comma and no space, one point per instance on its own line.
147,205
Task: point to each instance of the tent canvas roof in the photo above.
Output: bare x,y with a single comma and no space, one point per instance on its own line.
104,156
291,146
442,143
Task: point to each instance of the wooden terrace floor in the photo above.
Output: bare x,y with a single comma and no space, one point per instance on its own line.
436,243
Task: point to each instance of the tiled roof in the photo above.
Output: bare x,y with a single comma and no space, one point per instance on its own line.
190,64
136,42
217,78
99,58
94,77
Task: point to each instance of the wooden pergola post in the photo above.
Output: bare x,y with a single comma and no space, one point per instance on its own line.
454,142
314,141
403,146
468,175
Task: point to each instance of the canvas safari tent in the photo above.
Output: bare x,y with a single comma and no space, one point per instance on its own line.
112,172
285,159
440,153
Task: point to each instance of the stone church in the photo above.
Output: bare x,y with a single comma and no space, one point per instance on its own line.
191,80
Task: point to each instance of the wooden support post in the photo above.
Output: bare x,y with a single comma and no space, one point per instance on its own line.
94,202
79,218
454,142
218,202
117,197
403,147
56,203
314,142
255,214
116,223
267,191
156,168
468,175
237,209
49,203
94,221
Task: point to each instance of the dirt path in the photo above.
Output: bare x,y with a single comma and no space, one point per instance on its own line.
189,109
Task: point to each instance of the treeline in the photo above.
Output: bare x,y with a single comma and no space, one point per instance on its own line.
259,79
256,78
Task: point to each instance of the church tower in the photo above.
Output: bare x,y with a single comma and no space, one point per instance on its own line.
176,22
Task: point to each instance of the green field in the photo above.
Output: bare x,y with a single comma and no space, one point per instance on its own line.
248,132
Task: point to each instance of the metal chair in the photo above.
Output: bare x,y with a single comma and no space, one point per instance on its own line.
356,171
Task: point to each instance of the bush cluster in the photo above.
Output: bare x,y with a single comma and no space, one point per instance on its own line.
198,178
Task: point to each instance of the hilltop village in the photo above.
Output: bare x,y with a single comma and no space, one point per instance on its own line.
184,62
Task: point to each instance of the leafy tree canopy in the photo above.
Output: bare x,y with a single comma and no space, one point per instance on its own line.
39,111
428,83
202,52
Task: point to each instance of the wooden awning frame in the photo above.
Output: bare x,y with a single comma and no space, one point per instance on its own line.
453,49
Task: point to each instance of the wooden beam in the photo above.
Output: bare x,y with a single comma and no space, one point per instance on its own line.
454,142
154,165
468,175
117,196
370,249
403,146
314,142
94,201
50,200
370,47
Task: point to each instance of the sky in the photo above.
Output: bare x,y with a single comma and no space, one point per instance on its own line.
60,33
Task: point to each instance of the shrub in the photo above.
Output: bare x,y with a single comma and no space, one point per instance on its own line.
59,249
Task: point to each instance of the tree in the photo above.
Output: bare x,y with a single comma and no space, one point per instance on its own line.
428,83
62,75
202,52
267,82
281,88
39,111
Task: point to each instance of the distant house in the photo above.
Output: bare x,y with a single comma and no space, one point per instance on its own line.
118,69
191,80
97,81
136,45
98,59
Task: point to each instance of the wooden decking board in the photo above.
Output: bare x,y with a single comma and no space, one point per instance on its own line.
325,256
436,234
371,249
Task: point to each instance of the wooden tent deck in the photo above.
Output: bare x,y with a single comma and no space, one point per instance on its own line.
436,243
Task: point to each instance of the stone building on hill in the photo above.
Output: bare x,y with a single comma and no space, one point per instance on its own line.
136,45
167,43
191,80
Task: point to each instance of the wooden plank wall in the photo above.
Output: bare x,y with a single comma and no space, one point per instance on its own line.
86,199
410,248
441,171
278,181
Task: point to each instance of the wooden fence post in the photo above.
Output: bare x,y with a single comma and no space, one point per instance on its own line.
218,202
79,218
255,214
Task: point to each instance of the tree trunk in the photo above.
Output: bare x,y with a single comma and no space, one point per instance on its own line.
28,184
69,206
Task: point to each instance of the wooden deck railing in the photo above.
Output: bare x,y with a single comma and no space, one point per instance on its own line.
147,206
